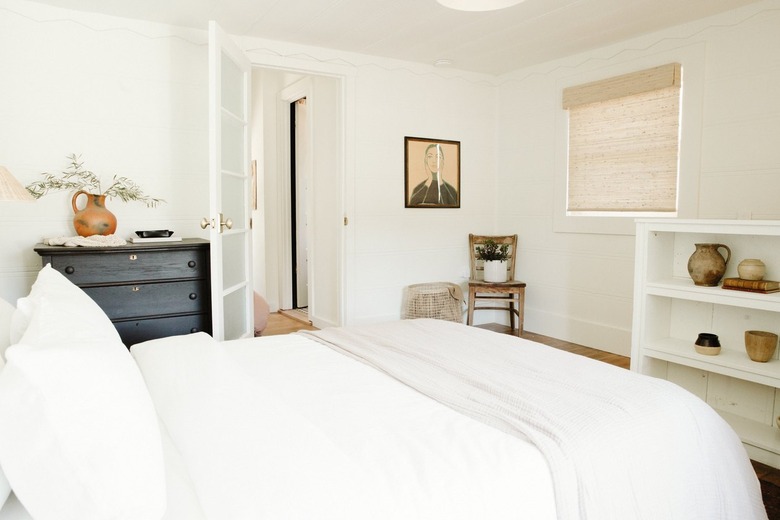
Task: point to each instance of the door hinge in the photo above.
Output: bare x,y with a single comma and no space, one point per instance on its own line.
346,221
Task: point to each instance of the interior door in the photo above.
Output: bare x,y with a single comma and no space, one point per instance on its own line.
230,182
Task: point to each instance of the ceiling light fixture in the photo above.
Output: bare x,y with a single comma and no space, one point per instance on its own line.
478,5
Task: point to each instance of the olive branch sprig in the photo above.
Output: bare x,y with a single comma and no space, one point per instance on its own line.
75,177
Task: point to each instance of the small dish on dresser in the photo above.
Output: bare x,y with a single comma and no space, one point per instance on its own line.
154,233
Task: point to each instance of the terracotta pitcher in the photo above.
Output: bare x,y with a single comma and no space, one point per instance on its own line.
94,218
706,265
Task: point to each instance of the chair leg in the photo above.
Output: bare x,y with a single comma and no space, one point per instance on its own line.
521,311
512,312
470,314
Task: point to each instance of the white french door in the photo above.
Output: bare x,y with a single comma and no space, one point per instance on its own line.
230,183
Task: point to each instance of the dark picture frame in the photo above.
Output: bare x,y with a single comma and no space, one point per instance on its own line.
431,173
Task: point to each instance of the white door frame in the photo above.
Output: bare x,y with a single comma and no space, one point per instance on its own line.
346,75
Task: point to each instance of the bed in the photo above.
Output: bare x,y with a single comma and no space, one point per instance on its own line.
415,419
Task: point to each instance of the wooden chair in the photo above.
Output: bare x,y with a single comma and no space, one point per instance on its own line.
508,296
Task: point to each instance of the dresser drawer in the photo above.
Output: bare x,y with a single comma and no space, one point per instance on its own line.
118,267
136,331
143,299
148,290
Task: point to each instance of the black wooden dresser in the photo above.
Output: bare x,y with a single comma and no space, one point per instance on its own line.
148,290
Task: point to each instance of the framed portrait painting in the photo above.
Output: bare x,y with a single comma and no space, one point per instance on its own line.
431,173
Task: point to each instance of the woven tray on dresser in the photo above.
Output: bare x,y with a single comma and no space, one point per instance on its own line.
147,290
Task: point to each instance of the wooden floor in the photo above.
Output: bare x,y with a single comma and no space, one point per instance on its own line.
280,324
600,355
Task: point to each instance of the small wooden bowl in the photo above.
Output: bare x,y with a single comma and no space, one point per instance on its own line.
760,345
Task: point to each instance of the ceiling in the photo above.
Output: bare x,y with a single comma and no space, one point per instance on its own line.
423,31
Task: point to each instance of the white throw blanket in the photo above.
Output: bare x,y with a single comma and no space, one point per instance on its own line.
91,241
620,445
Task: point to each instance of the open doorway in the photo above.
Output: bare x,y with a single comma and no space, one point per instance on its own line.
300,157
320,172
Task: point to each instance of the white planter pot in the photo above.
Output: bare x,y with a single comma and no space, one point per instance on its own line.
495,271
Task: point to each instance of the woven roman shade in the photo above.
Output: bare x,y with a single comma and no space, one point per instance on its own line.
624,142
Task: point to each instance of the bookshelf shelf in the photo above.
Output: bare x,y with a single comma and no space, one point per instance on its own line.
670,311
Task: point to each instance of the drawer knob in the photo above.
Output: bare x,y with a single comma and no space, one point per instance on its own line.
193,296
193,330
70,269
136,288
133,257
191,263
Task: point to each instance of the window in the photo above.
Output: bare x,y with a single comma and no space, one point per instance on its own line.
624,135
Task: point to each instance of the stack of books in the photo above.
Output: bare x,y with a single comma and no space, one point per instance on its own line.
759,286
140,240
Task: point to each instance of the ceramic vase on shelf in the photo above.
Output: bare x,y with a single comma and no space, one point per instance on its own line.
495,271
708,344
93,218
706,265
751,269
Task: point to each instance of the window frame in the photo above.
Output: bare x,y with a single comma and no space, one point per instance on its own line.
691,59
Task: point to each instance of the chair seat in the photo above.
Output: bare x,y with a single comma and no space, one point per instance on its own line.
508,283
510,295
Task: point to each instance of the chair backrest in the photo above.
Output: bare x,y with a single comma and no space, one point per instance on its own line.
477,267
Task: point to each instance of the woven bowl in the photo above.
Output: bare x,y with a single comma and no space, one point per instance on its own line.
760,345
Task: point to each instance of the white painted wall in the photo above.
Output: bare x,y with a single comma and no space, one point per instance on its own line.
580,284
394,246
385,246
131,97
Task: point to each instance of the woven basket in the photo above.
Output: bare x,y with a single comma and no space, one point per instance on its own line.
439,300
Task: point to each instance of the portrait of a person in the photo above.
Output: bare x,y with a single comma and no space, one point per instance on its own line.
434,190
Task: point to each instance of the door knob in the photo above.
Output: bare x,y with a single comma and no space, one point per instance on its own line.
225,222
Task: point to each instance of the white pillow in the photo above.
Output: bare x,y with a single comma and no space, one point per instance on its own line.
5,488
74,312
6,311
80,438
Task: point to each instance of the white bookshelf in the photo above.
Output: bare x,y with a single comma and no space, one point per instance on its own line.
670,311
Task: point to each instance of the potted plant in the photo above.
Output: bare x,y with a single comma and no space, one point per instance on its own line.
494,257
94,218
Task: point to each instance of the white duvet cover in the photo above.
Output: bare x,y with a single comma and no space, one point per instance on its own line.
619,445
285,428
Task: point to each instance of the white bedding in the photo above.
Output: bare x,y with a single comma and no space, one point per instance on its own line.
620,445
286,428
323,436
